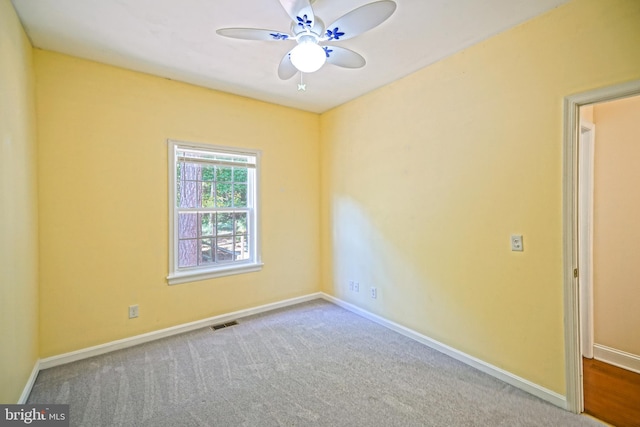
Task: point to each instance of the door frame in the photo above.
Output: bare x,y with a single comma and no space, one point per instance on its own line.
586,147
573,350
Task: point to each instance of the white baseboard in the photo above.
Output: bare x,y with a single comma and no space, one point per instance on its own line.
85,353
619,358
509,378
30,382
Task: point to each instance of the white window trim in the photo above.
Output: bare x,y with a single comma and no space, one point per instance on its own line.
177,275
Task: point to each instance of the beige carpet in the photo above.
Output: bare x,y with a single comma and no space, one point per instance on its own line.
313,364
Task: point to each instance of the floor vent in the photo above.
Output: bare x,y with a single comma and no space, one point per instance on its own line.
224,325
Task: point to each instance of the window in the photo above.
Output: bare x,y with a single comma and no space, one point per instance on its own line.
213,211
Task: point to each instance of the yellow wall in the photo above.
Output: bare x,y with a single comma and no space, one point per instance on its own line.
18,209
616,238
421,184
104,200
425,179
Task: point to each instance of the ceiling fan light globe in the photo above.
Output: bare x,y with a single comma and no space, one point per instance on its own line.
308,57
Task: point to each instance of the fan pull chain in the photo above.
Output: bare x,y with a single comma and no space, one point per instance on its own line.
302,87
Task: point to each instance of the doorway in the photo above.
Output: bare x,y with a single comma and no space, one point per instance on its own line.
578,331
607,245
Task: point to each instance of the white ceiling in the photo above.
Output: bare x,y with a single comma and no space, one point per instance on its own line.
177,39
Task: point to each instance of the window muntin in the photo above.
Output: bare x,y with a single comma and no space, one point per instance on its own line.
214,226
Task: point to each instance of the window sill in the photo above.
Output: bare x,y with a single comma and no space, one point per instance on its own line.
196,275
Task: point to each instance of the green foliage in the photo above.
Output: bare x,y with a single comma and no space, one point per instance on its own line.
208,173
224,174
224,223
240,174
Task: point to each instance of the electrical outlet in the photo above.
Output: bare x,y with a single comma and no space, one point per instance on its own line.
356,286
351,285
374,293
133,311
516,243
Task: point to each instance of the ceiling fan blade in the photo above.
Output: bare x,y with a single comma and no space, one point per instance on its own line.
286,70
344,57
360,20
300,11
252,34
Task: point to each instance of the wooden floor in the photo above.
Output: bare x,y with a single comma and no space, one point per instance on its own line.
611,394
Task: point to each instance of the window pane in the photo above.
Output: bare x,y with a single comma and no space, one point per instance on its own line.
187,225
207,223
179,183
178,193
240,195
191,172
241,223
224,224
242,247
224,249
208,194
223,174
239,174
206,251
240,159
208,173
189,194
223,195
187,253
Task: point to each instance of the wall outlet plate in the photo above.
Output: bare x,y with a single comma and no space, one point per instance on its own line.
516,243
133,311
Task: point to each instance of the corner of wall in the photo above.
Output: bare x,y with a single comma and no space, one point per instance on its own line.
19,248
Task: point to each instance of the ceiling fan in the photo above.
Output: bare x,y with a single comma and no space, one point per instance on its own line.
311,35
